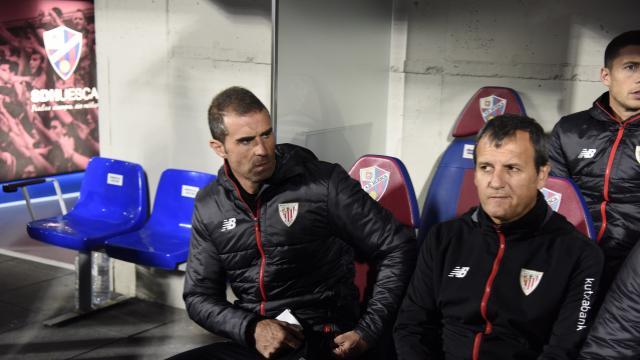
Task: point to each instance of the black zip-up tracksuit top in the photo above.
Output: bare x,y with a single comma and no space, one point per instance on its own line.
615,334
521,290
296,251
602,156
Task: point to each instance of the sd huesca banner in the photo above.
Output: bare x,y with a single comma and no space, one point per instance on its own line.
48,95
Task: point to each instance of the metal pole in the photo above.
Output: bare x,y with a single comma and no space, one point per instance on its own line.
27,199
274,65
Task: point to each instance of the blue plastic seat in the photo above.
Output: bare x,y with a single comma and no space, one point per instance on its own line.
113,200
164,241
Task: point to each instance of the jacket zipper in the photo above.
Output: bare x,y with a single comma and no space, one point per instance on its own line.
263,257
607,173
487,292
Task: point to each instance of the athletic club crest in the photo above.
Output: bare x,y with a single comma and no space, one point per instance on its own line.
63,47
492,106
553,198
288,212
529,280
374,181
638,153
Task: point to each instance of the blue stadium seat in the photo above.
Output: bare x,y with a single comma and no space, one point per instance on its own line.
386,180
113,200
452,192
164,241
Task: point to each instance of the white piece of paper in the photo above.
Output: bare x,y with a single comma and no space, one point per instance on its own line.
287,316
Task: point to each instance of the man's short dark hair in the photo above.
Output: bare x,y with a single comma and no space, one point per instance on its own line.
505,126
629,38
234,100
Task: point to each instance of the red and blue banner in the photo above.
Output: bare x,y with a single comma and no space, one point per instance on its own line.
48,88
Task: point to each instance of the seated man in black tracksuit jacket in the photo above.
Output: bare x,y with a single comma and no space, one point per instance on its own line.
599,149
615,334
510,279
282,227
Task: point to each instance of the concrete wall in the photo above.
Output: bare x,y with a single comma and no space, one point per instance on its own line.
332,76
549,51
159,65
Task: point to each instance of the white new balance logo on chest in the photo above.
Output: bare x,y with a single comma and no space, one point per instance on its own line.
459,271
586,153
228,224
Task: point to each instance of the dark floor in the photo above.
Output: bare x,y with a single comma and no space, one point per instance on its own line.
136,329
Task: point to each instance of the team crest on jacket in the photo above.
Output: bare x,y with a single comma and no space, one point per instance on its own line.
638,153
553,198
529,280
63,47
288,212
374,181
492,106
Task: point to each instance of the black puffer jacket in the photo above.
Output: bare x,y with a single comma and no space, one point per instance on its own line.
602,156
307,265
616,331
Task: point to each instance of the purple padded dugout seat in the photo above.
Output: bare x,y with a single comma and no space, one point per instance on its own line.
387,181
163,242
452,191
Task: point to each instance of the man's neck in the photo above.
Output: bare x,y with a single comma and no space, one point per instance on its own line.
620,112
249,186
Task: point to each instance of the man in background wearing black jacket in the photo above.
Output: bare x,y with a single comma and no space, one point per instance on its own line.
510,279
282,227
599,149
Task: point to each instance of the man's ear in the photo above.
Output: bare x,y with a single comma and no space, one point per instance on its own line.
543,175
218,147
605,76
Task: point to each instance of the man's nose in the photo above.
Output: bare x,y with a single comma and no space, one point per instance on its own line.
260,148
497,179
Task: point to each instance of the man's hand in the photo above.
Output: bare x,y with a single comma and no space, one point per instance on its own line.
274,336
349,345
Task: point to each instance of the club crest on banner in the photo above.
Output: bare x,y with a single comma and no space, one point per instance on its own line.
553,198
374,181
288,212
529,280
63,47
492,106
638,153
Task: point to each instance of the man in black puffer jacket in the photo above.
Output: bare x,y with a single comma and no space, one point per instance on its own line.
510,279
282,228
599,149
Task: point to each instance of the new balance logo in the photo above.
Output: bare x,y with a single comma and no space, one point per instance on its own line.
228,224
459,271
586,153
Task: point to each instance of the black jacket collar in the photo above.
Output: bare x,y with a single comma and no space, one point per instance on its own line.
601,110
290,160
526,225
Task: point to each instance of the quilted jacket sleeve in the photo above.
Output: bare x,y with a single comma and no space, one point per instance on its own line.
616,332
557,158
375,233
205,289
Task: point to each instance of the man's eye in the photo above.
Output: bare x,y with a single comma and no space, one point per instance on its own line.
632,67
